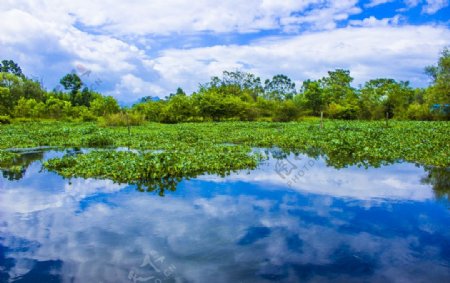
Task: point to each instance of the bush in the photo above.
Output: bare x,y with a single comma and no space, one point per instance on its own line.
287,111
418,111
122,119
347,112
88,117
5,119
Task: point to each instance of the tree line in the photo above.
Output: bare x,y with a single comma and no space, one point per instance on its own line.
237,95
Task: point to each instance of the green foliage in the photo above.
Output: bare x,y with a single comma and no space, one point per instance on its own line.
151,110
345,112
97,140
5,119
71,82
287,111
311,97
382,96
155,170
279,88
235,95
7,156
343,142
418,112
102,106
337,87
441,78
122,119
9,66
179,108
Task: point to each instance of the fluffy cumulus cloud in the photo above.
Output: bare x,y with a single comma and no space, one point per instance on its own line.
434,5
369,52
141,48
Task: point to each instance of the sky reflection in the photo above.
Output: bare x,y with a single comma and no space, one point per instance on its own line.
347,225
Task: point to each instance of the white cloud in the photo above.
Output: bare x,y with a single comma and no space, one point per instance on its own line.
369,52
429,6
119,44
374,3
433,6
174,16
372,185
325,18
412,3
131,87
374,22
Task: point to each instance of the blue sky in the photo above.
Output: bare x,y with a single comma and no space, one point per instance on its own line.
137,48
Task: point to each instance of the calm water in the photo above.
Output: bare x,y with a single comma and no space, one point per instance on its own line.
294,220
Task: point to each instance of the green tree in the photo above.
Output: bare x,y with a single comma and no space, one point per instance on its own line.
151,109
209,103
12,90
312,97
385,96
179,108
25,107
439,91
104,105
9,66
337,87
72,82
57,108
4,101
286,111
279,88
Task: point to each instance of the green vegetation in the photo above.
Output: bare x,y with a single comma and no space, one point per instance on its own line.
155,170
166,151
160,155
236,96
422,142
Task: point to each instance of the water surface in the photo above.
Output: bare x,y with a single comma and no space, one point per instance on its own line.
291,220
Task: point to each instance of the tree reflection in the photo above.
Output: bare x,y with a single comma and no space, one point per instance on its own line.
439,178
16,168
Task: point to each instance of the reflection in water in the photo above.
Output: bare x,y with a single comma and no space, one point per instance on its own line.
439,178
348,225
16,169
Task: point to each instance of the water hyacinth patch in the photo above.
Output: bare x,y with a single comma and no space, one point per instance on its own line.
152,170
186,150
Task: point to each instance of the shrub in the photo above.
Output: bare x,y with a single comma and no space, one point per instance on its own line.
347,112
418,111
287,111
5,119
121,119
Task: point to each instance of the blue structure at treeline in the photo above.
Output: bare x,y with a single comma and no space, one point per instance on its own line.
440,108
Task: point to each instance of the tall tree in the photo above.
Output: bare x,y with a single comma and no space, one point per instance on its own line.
9,66
440,74
312,97
337,87
73,83
381,96
281,87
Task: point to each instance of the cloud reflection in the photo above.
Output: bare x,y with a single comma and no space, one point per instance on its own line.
335,225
